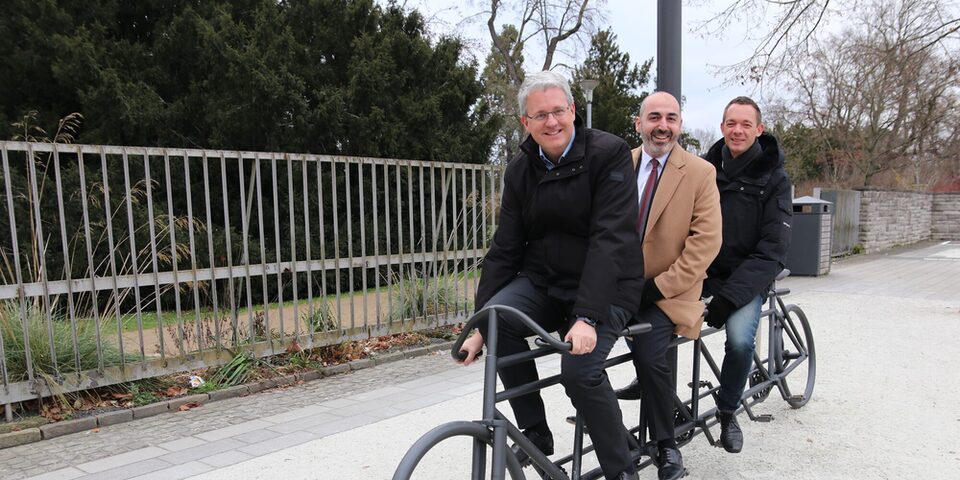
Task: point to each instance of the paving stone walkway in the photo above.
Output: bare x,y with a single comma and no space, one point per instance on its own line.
356,425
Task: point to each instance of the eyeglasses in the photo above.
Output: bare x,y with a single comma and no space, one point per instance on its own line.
542,116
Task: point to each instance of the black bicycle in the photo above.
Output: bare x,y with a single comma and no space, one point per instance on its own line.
788,350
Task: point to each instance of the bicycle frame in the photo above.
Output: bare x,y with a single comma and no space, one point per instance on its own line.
493,429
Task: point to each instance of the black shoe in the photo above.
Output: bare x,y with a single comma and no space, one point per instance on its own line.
731,437
670,464
628,476
631,392
541,441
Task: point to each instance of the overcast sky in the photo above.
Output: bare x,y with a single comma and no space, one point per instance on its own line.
635,24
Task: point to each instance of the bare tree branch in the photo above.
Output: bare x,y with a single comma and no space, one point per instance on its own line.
798,22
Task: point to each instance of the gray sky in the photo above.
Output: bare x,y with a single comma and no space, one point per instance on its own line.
635,23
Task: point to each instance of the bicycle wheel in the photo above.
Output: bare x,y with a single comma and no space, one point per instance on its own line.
447,469
798,359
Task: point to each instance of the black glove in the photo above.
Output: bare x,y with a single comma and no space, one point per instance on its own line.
719,311
650,293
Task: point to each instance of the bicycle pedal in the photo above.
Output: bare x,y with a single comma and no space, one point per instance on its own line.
764,418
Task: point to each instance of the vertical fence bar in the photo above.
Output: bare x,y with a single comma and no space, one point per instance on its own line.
213,261
409,285
464,196
90,265
265,277
234,316
245,231
363,242
387,221
134,254
276,236
336,239
477,200
496,188
395,280
323,242
41,259
483,210
424,269
450,248
174,255
153,254
438,237
67,264
198,331
111,250
16,267
347,187
306,239
44,272
293,251
435,263
214,284
376,241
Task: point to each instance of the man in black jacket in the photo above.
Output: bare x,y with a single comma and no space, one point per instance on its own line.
567,254
755,200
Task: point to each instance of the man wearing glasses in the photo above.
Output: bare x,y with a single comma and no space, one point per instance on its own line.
565,254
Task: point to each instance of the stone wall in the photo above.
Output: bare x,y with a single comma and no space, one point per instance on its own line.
881,219
889,218
946,216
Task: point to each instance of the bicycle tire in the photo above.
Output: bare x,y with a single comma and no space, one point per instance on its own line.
446,431
797,355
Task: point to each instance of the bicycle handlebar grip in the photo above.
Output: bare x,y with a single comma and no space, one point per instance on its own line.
636,329
462,355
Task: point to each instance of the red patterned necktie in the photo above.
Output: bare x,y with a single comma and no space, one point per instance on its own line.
647,196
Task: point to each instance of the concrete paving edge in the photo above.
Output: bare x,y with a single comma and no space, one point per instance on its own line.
66,427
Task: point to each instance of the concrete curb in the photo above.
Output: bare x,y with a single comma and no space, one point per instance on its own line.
67,427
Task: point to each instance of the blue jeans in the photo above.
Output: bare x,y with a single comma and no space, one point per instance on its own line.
741,330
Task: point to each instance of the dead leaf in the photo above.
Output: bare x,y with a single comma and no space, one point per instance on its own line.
188,406
294,347
175,391
121,396
96,430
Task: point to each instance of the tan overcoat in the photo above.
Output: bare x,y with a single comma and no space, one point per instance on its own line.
682,237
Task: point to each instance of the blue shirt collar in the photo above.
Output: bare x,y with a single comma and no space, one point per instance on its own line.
548,163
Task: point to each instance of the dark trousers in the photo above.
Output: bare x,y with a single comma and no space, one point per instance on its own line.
650,358
582,376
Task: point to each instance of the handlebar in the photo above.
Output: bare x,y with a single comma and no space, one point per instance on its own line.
503,309
544,339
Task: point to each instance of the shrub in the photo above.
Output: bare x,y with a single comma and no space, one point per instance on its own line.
323,319
414,292
65,359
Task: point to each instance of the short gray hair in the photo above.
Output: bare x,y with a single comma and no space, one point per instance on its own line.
541,81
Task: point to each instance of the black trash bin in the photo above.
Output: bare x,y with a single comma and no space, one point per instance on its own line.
809,252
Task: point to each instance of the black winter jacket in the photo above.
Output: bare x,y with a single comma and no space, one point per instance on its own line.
571,230
757,210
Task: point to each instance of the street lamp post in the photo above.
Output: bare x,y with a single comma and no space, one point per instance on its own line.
588,85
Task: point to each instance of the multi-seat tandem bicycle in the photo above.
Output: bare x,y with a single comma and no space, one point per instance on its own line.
785,359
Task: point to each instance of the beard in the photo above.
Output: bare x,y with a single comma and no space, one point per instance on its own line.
654,147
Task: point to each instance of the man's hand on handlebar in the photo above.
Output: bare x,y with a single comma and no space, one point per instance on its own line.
582,337
472,347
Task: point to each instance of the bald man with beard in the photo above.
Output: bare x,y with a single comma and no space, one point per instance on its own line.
681,227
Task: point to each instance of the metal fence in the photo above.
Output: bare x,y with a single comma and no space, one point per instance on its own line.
121,263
